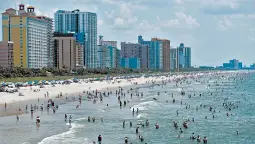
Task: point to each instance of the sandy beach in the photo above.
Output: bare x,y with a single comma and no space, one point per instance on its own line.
14,101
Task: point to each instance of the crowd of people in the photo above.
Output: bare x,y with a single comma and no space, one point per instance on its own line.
125,95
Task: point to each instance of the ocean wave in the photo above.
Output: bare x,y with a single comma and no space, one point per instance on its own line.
64,137
144,105
101,110
179,89
148,97
141,116
81,119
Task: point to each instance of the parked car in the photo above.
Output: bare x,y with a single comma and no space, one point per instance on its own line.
11,88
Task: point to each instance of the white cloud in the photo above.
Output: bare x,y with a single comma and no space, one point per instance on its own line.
171,23
145,25
189,20
179,1
158,18
225,23
123,17
252,35
228,3
100,22
241,16
212,3
181,20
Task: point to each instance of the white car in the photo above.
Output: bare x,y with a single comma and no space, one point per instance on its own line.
11,88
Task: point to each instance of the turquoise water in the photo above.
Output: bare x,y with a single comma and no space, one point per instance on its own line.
238,88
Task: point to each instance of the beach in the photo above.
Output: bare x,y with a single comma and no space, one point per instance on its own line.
156,105
30,97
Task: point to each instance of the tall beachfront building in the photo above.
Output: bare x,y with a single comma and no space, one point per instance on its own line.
68,52
173,58
183,57
108,54
166,52
136,50
84,24
155,53
31,35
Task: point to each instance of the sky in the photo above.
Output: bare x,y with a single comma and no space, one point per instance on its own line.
216,30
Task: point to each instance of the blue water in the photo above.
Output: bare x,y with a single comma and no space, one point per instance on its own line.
239,88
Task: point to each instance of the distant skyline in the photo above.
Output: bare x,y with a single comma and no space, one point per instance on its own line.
216,30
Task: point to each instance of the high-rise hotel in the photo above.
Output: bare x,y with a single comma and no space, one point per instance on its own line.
31,35
84,24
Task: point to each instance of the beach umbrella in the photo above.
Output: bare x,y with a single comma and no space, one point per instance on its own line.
30,82
36,82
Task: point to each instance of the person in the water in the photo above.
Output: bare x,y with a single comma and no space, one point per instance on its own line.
126,140
38,120
65,117
205,140
99,139
70,119
137,130
157,126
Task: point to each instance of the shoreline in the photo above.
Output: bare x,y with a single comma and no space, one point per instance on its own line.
14,105
14,102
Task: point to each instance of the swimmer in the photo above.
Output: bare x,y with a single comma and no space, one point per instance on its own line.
100,139
126,140
157,126
205,140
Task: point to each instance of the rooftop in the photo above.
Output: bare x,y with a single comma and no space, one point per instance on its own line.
57,34
9,9
159,39
30,7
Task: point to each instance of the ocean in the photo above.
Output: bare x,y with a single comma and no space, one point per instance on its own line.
237,88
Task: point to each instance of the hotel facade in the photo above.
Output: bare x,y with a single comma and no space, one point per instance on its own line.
31,35
83,23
